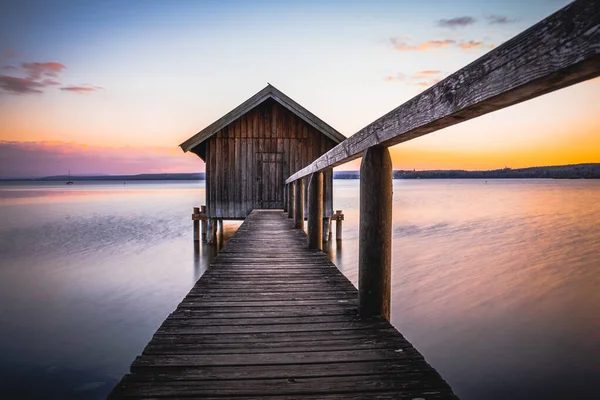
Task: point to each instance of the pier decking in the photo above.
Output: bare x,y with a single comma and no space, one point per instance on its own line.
272,319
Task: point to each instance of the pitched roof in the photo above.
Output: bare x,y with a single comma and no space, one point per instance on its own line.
269,92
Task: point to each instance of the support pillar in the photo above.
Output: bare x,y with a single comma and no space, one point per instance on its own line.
196,219
211,237
204,224
221,232
375,233
299,204
326,229
339,217
290,199
285,202
315,211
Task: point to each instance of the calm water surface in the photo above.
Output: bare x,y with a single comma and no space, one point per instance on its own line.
498,285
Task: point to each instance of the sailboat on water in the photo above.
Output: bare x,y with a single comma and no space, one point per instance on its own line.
69,182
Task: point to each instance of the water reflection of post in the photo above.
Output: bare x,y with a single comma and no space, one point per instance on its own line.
220,240
338,252
197,273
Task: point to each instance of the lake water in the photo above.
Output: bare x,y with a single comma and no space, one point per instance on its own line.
497,284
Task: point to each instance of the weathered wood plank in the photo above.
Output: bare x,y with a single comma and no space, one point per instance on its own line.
557,52
262,322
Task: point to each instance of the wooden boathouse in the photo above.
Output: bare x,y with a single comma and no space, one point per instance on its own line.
253,149
272,317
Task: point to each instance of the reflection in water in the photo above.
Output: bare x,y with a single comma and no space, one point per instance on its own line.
497,285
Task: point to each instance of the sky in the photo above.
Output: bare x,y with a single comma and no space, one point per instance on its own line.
114,87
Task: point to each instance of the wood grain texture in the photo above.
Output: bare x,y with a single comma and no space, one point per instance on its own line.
273,319
557,52
299,204
315,212
249,159
375,234
267,93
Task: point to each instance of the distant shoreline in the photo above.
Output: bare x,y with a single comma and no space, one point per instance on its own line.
574,171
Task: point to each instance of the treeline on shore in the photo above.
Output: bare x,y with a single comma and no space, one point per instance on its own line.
576,171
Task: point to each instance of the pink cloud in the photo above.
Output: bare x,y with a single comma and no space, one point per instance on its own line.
16,85
46,158
37,70
50,82
35,77
424,78
429,45
402,45
471,44
426,73
81,89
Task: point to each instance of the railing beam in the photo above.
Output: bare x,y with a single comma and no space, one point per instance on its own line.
557,52
299,204
315,211
375,233
290,199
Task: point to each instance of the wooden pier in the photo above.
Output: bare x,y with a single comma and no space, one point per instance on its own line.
273,319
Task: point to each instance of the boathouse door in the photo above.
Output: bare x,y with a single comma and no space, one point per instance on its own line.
270,180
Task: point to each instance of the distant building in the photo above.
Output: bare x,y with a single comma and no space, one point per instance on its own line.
253,149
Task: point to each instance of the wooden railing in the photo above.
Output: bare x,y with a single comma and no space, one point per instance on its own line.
557,52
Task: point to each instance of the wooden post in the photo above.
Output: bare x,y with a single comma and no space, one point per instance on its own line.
339,217
375,233
220,234
299,204
315,211
290,199
203,230
285,203
195,218
326,229
212,231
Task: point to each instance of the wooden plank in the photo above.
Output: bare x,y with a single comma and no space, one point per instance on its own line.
299,386
557,52
238,170
243,167
231,182
266,322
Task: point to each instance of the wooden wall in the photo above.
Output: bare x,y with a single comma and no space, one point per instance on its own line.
248,161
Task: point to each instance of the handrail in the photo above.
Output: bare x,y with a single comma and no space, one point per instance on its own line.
559,51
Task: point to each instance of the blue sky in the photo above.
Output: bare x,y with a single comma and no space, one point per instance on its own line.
153,73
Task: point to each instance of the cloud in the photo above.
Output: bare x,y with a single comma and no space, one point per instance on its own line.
423,78
427,73
36,77
498,19
471,44
47,158
50,82
16,85
429,45
456,22
38,70
81,89
400,45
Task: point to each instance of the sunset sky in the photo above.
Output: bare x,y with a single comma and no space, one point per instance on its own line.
113,87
